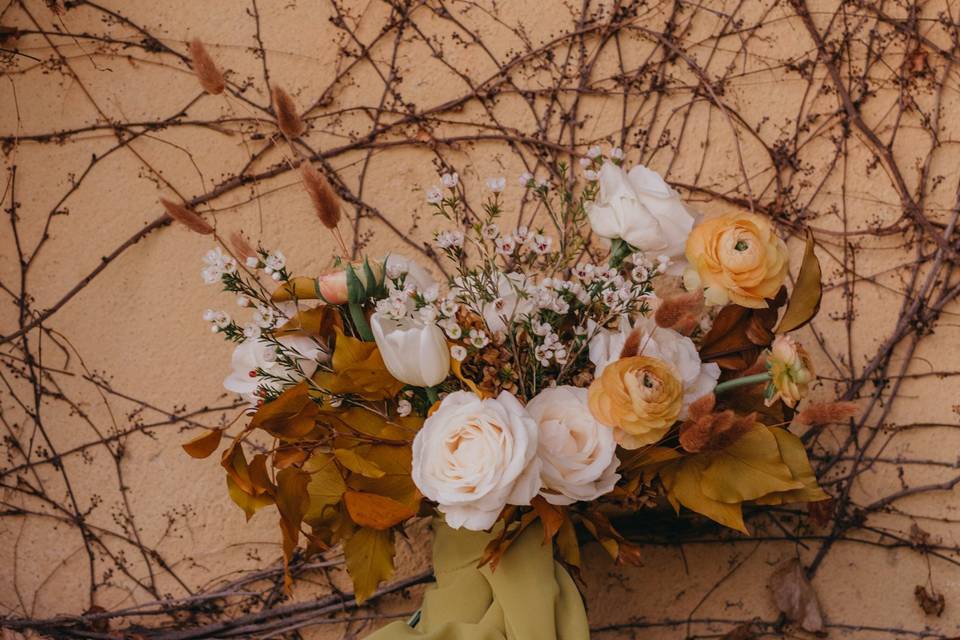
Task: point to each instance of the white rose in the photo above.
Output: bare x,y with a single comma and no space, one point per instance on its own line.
414,352
698,378
253,354
472,457
512,302
578,453
643,210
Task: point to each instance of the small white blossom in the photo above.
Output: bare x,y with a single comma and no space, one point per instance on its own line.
450,180
543,183
522,234
616,153
450,239
251,330
434,195
594,151
404,408
395,269
585,162
525,179
541,243
452,329
253,262
458,353
591,175
243,301
490,231
640,274
276,276
274,262
478,338
209,315
663,263
506,245
221,319
497,185
428,314
449,307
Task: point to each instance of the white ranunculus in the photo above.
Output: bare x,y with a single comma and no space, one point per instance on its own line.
698,378
414,352
472,457
512,302
253,354
578,453
641,208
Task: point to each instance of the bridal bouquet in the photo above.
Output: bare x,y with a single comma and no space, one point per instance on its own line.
627,356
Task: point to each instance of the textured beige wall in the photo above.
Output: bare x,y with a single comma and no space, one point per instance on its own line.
129,349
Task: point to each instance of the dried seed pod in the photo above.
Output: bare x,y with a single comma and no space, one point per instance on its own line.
675,309
288,118
206,70
186,217
631,346
325,201
826,412
241,247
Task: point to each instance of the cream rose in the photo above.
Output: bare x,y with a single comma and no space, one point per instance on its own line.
472,457
641,209
577,453
737,258
697,378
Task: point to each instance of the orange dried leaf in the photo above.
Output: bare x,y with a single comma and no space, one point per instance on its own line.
375,511
204,444
550,515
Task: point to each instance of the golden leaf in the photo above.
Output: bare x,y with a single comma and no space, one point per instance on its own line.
299,288
369,558
287,456
325,488
319,321
748,469
204,444
290,417
358,368
683,484
375,511
805,299
795,457
250,504
360,420
352,461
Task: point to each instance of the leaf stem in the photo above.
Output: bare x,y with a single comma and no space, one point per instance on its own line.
741,382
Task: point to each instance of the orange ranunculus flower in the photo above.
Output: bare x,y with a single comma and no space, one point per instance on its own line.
737,258
640,397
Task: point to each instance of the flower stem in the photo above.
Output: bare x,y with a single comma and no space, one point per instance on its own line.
360,321
741,382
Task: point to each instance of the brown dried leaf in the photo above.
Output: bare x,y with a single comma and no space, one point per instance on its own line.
375,511
805,299
794,596
821,512
932,602
550,515
204,444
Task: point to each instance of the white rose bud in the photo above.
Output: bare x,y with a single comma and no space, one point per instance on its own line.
473,457
413,351
643,210
577,453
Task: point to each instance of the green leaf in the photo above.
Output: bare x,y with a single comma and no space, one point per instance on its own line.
356,292
369,558
805,300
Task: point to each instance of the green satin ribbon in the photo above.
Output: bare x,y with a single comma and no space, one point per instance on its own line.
529,596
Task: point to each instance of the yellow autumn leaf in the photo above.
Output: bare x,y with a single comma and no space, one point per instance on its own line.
567,543
354,462
748,469
249,504
204,444
318,321
358,368
291,416
363,421
805,299
369,557
682,481
299,288
325,488
794,455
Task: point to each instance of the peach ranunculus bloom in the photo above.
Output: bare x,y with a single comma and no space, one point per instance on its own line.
791,372
640,397
736,257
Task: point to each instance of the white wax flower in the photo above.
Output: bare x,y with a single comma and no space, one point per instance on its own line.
577,453
698,378
641,208
472,457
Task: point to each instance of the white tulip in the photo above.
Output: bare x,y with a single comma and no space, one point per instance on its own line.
472,457
512,302
698,378
577,453
414,352
253,354
641,208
